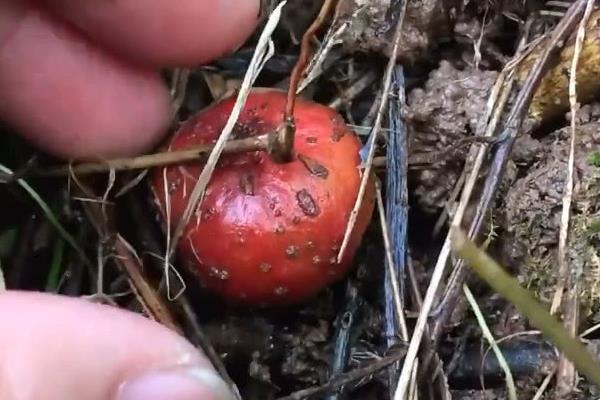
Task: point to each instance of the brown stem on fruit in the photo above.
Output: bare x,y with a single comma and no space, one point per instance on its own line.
282,142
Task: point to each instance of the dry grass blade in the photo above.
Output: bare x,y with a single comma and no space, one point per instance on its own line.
492,112
49,215
566,379
385,91
264,51
568,189
128,261
485,330
315,68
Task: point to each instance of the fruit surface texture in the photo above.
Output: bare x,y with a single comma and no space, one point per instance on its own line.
268,233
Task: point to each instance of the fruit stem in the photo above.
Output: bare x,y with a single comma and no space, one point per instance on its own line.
282,143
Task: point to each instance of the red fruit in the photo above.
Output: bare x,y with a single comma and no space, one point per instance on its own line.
268,233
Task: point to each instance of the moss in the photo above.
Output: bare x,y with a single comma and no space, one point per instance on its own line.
593,159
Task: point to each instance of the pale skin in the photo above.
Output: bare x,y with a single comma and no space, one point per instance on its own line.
80,79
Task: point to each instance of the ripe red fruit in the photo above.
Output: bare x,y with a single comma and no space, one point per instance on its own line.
268,233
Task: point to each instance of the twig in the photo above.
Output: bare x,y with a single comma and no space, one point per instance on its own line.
355,89
566,379
540,392
399,322
509,288
485,330
396,221
129,263
440,265
264,50
165,158
499,98
345,322
317,64
512,127
346,378
282,150
387,83
200,339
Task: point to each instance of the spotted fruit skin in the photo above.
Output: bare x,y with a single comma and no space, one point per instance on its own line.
267,233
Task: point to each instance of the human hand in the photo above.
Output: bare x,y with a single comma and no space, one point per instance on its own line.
95,91
80,78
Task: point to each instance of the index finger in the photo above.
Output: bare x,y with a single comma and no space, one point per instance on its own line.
163,32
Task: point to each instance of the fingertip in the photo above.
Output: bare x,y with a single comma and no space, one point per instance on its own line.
73,99
57,347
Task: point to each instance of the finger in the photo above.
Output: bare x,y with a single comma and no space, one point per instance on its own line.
70,97
163,32
54,347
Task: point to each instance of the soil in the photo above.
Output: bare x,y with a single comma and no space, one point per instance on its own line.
452,52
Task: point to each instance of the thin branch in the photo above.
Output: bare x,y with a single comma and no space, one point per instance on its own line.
196,153
346,378
387,83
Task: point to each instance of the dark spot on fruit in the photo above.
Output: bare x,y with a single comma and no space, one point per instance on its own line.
316,260
265,267
291,251
219,273
313,166
279,229
277,213
311,139
247,183
307,204
272,206
296,220
280,290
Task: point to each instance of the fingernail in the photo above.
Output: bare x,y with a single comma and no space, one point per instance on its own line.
179,384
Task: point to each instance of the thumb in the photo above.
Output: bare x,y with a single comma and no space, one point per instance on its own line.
54,347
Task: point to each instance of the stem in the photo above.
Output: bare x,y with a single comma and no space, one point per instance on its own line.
282,144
